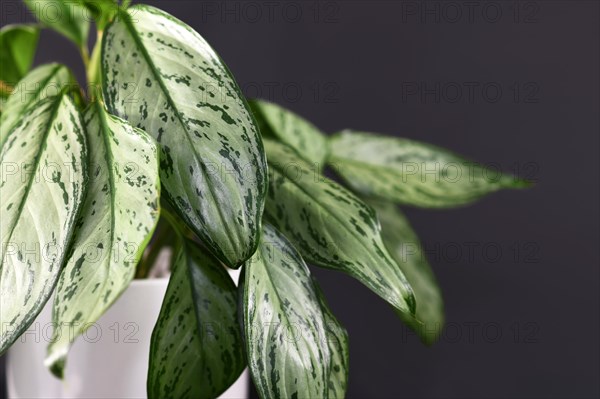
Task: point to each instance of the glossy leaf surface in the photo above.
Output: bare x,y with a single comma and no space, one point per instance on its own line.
17,49
291,129
161,76
67,17
42,82
42,184
410,172
331,227
284,325
197,348
405,247
116,222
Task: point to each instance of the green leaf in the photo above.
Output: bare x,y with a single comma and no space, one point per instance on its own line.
197,347
42,82
116,222
283,323
284,125
410,172
404,245
337,340
42,183
331,227
161,76
103,11
17,48
67,17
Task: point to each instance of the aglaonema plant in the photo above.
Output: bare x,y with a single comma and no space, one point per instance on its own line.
161,134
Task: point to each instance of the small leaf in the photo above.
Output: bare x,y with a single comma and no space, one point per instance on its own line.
67,17
17,48
103,11
412,173
116,222
42,82
284,125
331,227
337,340
197,348
161,76
283,323
42,183
404,245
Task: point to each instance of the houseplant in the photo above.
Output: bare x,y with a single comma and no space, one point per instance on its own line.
161,131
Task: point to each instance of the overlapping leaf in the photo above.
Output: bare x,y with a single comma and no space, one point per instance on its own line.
42,82
284,125
337,340
17,48
284,325
160,75
117,219
410,172
197,347
67,17
331,227
404,245
43,177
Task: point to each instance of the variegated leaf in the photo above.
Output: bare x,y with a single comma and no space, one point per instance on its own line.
412,173
404,245
43,165
42,82
160,75
17,48
116,222
197,347
331,227
67,17
337,340
284,125
284,325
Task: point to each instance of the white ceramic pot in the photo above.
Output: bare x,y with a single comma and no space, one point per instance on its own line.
109,361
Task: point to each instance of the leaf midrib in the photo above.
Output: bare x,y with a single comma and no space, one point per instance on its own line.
28,104
134,34
36,163
278,296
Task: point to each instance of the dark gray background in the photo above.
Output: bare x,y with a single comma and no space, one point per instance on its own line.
350,64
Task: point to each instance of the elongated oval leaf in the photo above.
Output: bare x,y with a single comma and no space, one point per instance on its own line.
284,325
410,172
116,222
42,82
160,75
337,340
405,247
43,176
197,347
331,227
67,17
17,48
279,123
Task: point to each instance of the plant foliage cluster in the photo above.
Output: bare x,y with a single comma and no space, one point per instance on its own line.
162,136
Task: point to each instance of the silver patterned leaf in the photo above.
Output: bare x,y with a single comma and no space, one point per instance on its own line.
42,82
291,129
161,76
43,178
197,348
405,247
412,173
284,325
331,227
116,222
